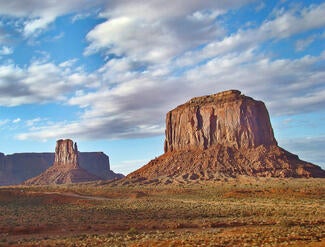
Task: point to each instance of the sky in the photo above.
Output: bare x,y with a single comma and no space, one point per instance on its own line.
105,72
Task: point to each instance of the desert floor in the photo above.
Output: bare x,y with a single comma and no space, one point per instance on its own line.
231,212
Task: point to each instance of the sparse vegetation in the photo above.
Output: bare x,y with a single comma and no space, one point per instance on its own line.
244,212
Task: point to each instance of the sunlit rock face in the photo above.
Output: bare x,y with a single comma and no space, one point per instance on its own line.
228,118
223,135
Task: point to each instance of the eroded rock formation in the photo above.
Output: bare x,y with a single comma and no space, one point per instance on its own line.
66,154
225,134
18,167
65,169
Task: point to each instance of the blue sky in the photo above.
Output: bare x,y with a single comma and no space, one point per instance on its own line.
105,72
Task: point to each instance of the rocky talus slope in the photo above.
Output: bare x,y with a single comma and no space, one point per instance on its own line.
223,135
65,169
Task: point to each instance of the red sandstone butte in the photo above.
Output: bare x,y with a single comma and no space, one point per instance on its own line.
223,135
65,168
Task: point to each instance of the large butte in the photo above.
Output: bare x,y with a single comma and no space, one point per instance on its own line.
222,135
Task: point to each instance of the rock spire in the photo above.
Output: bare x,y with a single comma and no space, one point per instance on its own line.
66,154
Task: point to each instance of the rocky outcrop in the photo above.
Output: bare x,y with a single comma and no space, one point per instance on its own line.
18,167
225,134
65,169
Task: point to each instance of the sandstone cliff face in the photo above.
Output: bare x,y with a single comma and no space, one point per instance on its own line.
227,118
222,135
65,168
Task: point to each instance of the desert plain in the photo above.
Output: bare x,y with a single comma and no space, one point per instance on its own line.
242,211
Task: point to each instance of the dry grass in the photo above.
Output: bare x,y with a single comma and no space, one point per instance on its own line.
242,212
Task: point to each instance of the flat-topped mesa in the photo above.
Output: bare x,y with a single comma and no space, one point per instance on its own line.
228,118
221,135
66,154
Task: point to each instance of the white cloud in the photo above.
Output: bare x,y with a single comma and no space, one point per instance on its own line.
5,50
38,15
32,122
34,26
38,83
283,26
78,17
68,63
302,44
17,120
58,37
205,15
156,31
142,40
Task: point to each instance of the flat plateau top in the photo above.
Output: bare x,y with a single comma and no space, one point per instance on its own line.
218,98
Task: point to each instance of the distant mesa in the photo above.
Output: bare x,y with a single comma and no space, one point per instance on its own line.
223,135
65,169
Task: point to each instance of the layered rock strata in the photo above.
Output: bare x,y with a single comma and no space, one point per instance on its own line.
220,135
65,169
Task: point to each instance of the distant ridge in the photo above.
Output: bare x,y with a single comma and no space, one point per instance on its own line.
222,135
